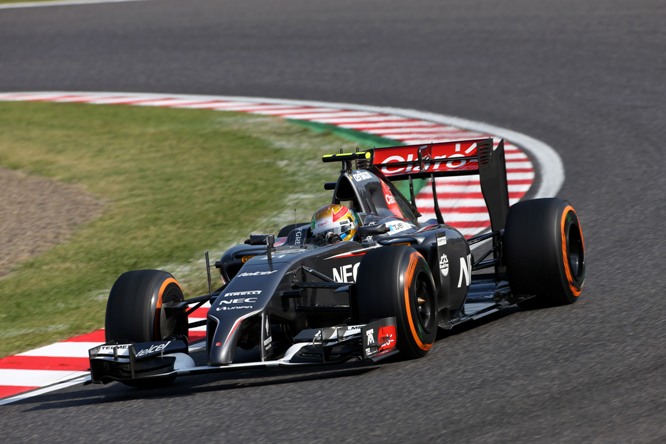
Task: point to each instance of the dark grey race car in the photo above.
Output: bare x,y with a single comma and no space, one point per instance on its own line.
289,301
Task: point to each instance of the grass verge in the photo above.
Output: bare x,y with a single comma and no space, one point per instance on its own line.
175,183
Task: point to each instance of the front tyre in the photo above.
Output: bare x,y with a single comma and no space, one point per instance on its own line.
135,313
544,251
396,281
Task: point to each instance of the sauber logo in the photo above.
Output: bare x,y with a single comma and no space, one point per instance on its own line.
444,264
360,176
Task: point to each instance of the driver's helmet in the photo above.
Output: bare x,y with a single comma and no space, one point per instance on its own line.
334,223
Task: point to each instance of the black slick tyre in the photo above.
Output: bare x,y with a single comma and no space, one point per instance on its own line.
396,281
544,252
134,310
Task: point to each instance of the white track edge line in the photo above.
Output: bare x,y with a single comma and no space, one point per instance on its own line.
21,5
43,390
549,163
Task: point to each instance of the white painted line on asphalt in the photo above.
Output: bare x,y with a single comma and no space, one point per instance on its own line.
342,120
51,388
296,111
62,3
377,128
355,115
34,378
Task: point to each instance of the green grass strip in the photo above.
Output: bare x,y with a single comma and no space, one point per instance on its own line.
174,182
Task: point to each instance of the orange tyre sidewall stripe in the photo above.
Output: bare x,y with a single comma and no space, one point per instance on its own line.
165,284
409,276
565,257
158,304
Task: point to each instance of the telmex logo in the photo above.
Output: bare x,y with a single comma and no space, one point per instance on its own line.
120,350
110,348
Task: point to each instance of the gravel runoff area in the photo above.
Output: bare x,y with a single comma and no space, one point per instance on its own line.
37,213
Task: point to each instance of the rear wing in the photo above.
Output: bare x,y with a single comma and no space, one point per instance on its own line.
442,159
438,159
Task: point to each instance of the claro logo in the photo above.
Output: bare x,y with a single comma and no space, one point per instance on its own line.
437,163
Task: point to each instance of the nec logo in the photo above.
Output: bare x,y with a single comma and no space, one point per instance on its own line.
234,304
239,301
346,273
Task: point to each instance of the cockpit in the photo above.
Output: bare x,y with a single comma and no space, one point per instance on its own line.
372,198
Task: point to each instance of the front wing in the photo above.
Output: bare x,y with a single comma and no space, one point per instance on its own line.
367,343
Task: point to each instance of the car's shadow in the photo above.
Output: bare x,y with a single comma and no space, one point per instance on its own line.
189,385
225,380
475,323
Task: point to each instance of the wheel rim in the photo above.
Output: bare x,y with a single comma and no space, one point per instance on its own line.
575,251
423,298
169,323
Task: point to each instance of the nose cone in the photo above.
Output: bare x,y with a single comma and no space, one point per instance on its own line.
247,295
222,340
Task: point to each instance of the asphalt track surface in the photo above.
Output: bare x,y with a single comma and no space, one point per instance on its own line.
587,78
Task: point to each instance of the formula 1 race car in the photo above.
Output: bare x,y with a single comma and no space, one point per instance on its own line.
300,299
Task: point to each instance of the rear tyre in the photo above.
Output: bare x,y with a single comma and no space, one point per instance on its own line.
544,252
396,281
134,313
